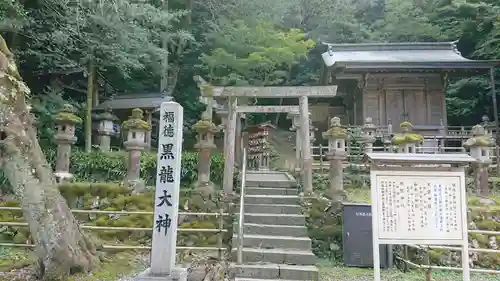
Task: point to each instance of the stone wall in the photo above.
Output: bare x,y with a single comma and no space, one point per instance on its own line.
118,197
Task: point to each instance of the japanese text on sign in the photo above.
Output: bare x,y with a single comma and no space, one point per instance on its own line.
167,166
419,207
166,208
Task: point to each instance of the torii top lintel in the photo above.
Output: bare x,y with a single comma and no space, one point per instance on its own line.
275,92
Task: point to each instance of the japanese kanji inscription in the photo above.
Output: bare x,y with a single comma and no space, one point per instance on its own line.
163,248
419,207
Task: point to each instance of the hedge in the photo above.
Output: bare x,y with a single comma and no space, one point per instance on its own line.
100,166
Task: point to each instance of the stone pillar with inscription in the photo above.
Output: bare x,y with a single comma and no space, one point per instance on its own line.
106,129
66,122
369,130
407,141
166,204
479,146
337,137
205,130
136,129
296,128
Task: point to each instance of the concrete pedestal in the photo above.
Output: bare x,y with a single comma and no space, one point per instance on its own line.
178,274
105,140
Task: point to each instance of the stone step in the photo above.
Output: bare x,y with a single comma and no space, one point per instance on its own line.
272,199
276,271
254,279
271,209
281,256
270,191
272,229
272,242
275,219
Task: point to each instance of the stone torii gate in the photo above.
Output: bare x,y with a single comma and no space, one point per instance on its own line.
233,93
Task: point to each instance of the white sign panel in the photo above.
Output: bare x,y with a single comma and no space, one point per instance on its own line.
419,207
166,210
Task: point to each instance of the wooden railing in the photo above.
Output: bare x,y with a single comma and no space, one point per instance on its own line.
220,230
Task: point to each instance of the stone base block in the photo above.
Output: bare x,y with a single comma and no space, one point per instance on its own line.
178,274
204,187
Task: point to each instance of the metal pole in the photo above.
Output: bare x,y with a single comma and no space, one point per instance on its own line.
239,258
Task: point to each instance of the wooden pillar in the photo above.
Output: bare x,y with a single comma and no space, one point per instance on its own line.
306,144
444,111
230,145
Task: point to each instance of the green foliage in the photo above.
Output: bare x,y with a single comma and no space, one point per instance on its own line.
256,55
46,107
109,167
405,21
324,228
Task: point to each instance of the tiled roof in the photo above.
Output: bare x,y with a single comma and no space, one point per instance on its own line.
131,101
442,55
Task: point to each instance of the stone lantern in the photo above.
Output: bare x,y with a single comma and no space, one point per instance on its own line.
479,146
337,137
106,129
205,130
369,131
66,122
136,129
407,141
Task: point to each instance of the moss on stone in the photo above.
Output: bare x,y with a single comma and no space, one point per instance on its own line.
407,138
136,121
406,124
207,90
336,132
67,116
203,126
478,141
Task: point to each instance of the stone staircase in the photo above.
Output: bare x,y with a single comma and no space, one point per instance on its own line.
275,241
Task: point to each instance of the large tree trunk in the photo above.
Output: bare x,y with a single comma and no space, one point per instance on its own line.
61,246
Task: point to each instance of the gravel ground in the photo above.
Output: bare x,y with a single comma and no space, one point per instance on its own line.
357,274
196,271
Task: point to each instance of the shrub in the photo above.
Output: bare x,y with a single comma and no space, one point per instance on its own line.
98,166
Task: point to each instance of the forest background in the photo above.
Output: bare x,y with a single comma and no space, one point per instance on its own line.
70,50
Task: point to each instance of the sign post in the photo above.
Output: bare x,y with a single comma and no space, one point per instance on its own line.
166,208
419,199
